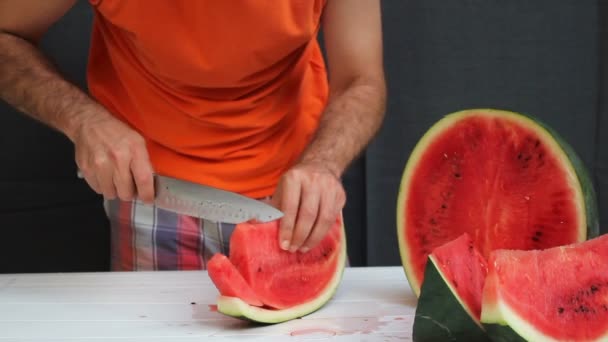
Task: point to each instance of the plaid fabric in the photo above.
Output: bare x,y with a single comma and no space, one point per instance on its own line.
146,238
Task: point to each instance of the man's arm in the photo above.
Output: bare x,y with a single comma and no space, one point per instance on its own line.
112,156
311,194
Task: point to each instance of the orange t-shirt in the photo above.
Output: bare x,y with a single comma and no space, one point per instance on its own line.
226,92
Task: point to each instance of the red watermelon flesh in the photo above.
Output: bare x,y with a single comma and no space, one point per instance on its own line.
279,278
229,281
500,178
561,292
465,269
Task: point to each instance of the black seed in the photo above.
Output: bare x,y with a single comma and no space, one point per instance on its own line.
535,238
541,155
443,206
538,233
259,269
560,310
605,307
527,158
537,143
594,289
455,283
192,303
433,221
457,175
519,156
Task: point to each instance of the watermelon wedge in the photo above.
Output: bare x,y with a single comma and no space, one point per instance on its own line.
506,179
272,285
229,281
449,307
557,294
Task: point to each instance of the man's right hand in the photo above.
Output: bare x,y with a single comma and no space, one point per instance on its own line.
113,158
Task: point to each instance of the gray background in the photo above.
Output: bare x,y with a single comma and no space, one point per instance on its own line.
542,57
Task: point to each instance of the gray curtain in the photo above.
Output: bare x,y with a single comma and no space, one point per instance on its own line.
541,56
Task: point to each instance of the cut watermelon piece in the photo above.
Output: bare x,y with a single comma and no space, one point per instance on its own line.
557,294
449,307
289,285
229,281
506,179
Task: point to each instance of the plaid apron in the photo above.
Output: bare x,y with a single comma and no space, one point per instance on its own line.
145,238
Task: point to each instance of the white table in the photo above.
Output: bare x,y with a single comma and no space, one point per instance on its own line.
372,304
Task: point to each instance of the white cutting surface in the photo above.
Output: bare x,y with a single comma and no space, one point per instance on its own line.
372,304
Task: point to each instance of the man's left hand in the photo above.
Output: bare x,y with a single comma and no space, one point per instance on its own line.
311,197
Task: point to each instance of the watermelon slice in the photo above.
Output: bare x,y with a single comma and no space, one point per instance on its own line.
288,285
558,294
504,178
229,281
449,307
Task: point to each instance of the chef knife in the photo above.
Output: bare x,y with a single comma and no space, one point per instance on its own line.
207,202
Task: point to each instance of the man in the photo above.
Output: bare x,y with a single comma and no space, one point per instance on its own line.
232,94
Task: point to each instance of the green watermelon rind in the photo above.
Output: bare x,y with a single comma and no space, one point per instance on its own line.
237,308
441,314
584,184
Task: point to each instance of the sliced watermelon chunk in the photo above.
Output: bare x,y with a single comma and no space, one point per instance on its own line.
449,307
282,279
557,294
288,285
506,179
229,281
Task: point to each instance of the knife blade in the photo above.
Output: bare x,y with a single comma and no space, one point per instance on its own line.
213,204
210,203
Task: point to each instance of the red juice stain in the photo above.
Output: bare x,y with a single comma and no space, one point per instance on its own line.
317,332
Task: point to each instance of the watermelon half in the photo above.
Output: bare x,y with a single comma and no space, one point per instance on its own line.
449,307
557,294
506,179
261,282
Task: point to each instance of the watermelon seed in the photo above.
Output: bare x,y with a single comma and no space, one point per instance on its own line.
457,175
537,143
594,289
535,239
527,158
560,310
443,206
259,269
519,156
605,307
433,221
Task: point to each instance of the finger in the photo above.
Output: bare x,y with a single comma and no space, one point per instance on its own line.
142,172
325,219
123,179
83,167
104,175
288,200
307,215
91,181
